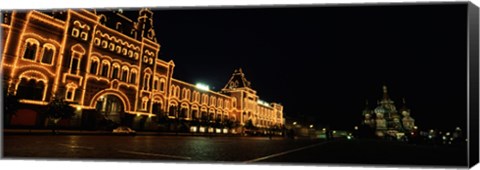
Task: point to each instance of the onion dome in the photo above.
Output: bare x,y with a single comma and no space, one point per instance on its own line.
367,109
380,109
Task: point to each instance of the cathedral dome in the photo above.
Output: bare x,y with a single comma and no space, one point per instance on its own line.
380,109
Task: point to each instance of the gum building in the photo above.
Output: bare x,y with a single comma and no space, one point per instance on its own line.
107,64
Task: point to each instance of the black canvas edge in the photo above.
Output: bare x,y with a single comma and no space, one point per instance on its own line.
473,85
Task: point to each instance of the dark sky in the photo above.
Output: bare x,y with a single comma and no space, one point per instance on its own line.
325,61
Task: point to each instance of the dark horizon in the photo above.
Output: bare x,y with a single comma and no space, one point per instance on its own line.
324,62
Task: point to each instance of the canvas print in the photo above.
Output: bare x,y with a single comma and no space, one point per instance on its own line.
377,84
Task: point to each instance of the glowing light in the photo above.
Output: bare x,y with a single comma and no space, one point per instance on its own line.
138,114
349,137
311,126
324,129
111,39
334,132
263,103
415,127
356,127
294,123
203,87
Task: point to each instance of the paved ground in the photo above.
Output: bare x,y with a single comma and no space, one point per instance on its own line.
227,150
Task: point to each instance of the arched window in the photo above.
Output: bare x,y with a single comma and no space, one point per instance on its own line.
69,96
105,68
177,89
94,66
146,81
124,73
111,46
97,41
30,49
116,69
204,99
144,103
118,49
48,53
77,52
31,89
104,43
155,83
212,101
133,76
162,84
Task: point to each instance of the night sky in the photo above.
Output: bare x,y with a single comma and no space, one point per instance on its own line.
323,62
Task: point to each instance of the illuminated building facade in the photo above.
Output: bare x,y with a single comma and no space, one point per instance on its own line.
385,118
108,64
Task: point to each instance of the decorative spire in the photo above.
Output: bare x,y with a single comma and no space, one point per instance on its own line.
385,92
237,80
366,104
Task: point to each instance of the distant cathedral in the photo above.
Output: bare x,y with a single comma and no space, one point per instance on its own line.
386,119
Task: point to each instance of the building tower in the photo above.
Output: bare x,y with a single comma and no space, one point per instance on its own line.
368,116
407,121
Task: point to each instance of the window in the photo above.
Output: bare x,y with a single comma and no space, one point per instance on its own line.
93,67
111,46
115,72
69,95
162,84
75,32
144,103
84,36
136,56
97,41
133,77
124,75
104,44
155,84
74,66
146,82
30,51
118,49
47,54
105,68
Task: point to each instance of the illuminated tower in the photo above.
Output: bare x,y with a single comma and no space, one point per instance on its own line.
247,104
407,121
368,116
380,121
